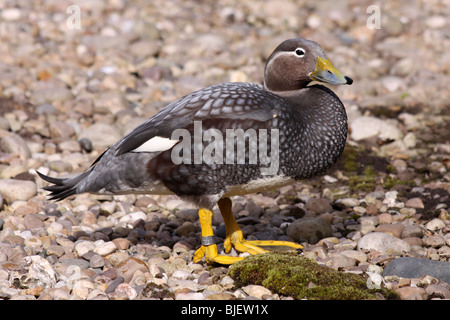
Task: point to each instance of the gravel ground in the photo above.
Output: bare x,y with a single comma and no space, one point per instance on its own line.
66,93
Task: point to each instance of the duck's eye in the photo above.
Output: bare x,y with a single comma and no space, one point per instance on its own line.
299,52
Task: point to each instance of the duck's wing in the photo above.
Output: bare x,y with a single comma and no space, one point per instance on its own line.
228,100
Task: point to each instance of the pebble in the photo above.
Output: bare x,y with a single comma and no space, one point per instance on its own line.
394,229
256,291
34,271
58,116
11,14
409,267
84,247
412,231
309,229
318,205
13,190
435,224
104,248
383,243
416,203
128,267
368,127
32,222
15,144
56,250
101,134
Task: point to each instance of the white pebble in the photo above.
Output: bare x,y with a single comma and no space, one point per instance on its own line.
104,248
55,228
131,218
11,14
182,275
84,247
435,224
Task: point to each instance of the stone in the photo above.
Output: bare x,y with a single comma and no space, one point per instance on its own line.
59,129
11,14
101,134
104,248
121,243
309,229
416,203
411,293
96,261
348,202
128,267
50,95
60,166
186,229
189,296
15,144
435,224
354,254
367,127
80,263
340,261
125,291
410,267
256,291
31,221
132,217
383,243
84,247
412,230
56,250
385,218
13,190
395,229
318,205
34,271
434,241
437,291
368,224
182,275
55,228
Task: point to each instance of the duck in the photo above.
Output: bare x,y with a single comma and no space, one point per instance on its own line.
229,139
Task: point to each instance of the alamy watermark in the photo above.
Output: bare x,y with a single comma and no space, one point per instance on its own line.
240,147
374,20
74,20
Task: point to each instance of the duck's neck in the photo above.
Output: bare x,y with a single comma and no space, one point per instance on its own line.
321,126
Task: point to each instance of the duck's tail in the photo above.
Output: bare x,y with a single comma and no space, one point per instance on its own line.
63,188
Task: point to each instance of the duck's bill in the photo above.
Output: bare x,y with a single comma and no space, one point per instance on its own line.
326,72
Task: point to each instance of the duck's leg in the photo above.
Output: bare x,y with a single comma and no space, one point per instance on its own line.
235,237
209,248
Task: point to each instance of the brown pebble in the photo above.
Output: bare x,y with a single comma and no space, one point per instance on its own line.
32,222
121,243
394,229
411,293
416,203
371,210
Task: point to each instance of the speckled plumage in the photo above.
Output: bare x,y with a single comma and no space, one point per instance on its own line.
311,123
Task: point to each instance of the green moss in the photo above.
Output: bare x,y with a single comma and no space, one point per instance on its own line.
361,183
349,159
301,278
390,182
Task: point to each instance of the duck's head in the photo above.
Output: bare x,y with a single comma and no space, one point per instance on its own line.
297,62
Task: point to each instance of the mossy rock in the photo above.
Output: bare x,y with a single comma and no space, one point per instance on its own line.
301,278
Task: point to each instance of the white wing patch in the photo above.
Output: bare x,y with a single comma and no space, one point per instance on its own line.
156,144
